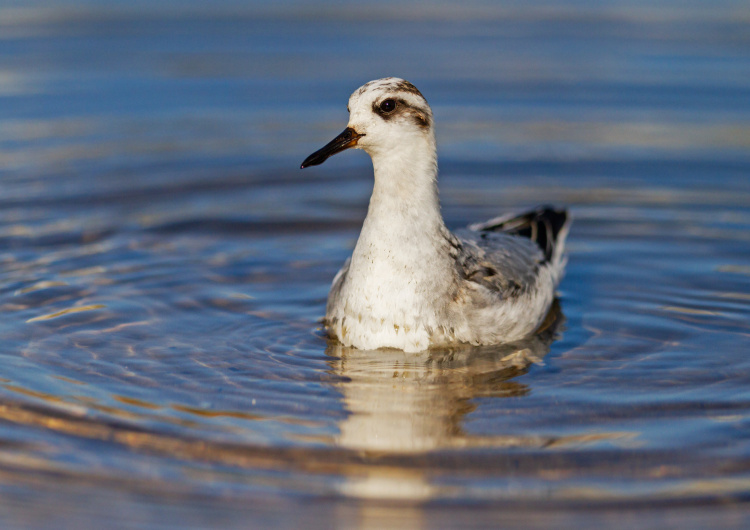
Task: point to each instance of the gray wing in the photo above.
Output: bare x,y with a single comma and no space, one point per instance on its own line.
501,262
507,254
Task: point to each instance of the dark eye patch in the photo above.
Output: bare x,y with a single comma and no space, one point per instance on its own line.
399,107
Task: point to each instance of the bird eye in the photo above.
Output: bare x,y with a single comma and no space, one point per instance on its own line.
388,105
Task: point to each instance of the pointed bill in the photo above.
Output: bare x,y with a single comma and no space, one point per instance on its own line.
343,141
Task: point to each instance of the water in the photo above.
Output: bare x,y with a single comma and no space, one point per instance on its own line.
164,267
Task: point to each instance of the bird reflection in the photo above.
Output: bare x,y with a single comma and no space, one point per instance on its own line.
414,402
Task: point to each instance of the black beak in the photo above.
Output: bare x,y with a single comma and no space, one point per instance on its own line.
343,141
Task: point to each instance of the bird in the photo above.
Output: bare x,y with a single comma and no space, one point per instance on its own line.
411,284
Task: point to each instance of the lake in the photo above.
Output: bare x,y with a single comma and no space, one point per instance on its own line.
165,266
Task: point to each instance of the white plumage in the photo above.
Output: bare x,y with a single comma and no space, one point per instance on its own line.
411,284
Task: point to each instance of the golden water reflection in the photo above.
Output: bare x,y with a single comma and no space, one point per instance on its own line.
406,402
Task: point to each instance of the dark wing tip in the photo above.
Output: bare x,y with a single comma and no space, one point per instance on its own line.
542,225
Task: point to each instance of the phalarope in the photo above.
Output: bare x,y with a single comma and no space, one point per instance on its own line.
410,283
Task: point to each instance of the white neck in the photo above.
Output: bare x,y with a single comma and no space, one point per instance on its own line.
405,195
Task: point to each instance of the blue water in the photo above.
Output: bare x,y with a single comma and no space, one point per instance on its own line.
164,266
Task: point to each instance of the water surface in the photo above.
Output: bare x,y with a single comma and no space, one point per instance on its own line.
165,265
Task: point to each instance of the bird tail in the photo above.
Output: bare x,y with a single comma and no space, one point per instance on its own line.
546,226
